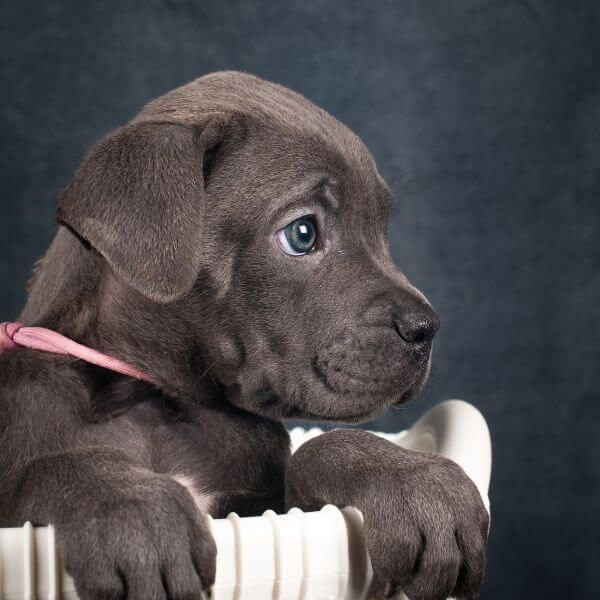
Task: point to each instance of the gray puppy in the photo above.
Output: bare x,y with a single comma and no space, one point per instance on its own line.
230,241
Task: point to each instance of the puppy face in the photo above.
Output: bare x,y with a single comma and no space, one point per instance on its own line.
272,230
320,323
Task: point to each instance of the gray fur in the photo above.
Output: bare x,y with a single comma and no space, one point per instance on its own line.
166,258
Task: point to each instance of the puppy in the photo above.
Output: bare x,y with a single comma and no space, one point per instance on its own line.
229,241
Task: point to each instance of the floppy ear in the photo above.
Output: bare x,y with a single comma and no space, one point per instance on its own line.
137,198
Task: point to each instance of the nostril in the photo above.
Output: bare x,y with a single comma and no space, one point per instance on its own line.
417,328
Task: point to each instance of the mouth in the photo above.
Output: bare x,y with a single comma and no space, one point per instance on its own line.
353,380
360,414
376,367
362,382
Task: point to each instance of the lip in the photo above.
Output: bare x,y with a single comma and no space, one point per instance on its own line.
373,409
337,373
376,386
387,385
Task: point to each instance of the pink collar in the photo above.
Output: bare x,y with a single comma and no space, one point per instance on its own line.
13,335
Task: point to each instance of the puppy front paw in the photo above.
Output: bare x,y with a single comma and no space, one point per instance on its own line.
428,537
424,520
150,543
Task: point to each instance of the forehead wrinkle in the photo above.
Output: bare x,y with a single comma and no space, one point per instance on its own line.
300,190
328,196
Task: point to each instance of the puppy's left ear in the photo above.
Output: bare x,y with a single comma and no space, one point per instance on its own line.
138,199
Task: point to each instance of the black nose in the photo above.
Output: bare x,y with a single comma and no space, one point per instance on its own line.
417,327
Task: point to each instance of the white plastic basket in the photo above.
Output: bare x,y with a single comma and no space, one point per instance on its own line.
294,556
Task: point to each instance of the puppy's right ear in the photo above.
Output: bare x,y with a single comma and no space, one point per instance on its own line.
138,199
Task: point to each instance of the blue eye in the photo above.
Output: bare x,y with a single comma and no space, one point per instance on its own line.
299,237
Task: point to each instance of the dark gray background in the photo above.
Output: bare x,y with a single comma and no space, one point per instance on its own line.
484,117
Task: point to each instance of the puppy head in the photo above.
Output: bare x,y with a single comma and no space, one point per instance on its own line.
240,207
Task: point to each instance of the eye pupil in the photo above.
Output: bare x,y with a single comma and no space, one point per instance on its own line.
301,235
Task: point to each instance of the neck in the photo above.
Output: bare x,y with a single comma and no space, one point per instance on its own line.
76,294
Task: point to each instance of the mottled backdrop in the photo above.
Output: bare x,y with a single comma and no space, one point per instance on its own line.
484,117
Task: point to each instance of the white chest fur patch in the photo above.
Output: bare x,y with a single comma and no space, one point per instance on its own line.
202,500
